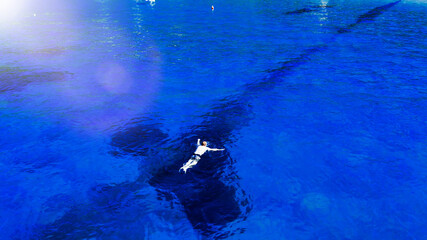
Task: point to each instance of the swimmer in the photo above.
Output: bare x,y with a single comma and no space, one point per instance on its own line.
201,149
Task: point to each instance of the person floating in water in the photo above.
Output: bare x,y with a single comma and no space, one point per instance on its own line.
201,149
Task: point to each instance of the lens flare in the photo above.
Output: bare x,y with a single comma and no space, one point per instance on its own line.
114,78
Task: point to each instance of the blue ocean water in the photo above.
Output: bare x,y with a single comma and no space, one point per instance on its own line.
320,106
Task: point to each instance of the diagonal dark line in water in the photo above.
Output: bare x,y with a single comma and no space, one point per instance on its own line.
300,11
368,16
209,203
229,115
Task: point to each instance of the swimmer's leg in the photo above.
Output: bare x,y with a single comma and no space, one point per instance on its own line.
188,165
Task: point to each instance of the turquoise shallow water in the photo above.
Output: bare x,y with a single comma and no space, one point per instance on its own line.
319,104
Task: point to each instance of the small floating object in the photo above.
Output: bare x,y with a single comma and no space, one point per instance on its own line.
34,15
212,7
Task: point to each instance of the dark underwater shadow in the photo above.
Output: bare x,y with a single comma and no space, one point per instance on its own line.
209,193
368,16
17,78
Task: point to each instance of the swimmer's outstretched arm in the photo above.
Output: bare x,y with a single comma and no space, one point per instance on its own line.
216,149
198,142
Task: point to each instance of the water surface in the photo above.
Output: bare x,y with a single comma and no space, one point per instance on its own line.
321,112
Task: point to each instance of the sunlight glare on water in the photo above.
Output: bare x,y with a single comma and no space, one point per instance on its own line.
11,10
123,86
